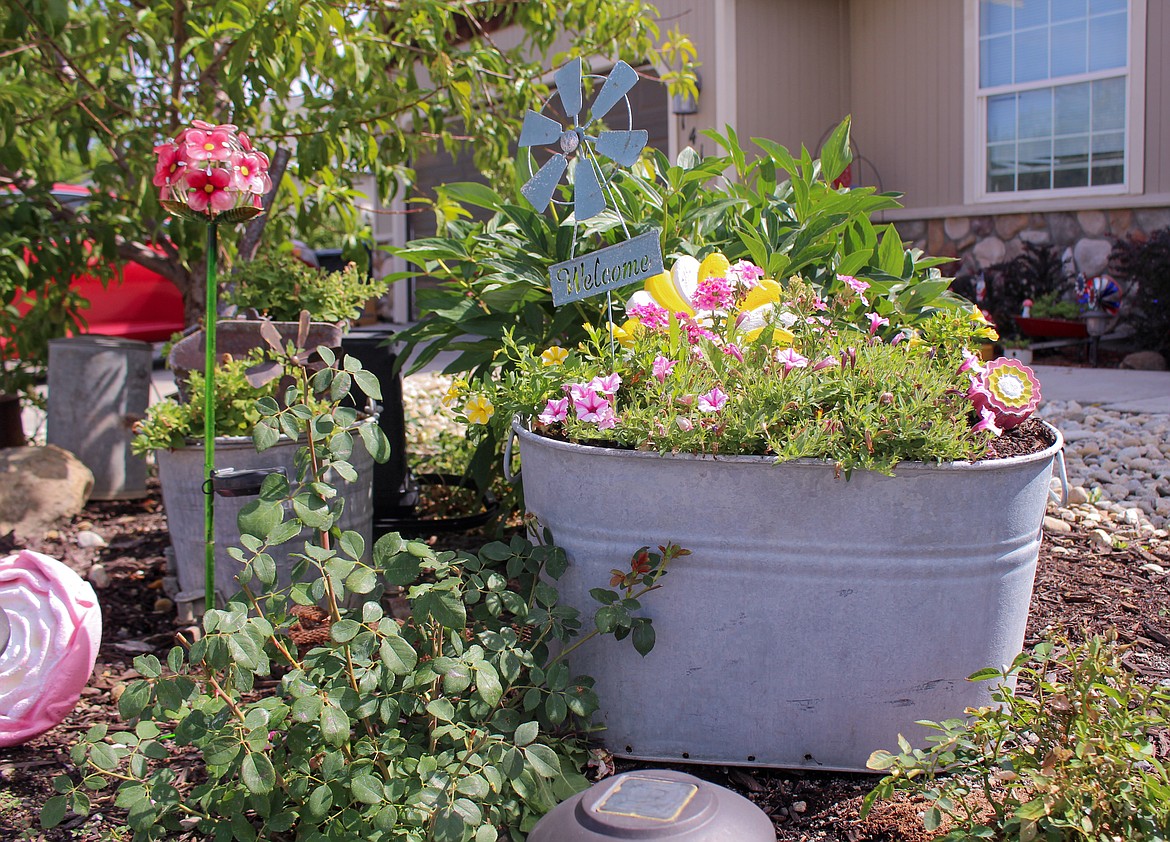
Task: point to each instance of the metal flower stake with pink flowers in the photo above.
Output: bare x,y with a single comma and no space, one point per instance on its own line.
211,173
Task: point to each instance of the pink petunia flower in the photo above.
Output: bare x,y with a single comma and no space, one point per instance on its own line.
556,410
662,367
209,189
790,358
971,363
591,406
733,351
876,321
713,401
827,362
987,422
607,385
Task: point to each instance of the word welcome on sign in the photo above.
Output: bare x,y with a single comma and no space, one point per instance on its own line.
609,268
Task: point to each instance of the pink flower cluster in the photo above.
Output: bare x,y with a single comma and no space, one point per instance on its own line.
593,402
211,169
713,294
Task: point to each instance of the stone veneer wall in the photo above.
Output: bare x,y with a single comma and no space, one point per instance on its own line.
1083,237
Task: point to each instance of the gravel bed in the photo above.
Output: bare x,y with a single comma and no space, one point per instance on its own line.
1118,460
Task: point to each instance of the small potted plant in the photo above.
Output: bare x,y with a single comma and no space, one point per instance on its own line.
1018,348
278,286
171,433
818,430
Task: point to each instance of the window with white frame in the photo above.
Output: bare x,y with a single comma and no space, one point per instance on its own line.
1052,94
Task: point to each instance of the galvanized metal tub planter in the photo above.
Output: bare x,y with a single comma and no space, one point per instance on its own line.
817,617
181,477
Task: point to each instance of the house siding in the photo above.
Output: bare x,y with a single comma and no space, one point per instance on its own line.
792,68
1157,150
906,81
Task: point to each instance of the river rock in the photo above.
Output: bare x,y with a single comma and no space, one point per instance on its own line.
1144,361
1056,526
1101,541
40,485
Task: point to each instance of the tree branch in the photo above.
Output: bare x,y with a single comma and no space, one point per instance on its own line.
254,230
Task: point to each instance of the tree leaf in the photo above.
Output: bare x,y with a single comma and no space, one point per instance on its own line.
257,773
441,605
543,760
367,789
397,655
334,725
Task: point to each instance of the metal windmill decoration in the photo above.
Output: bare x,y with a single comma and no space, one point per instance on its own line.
573,141
603,270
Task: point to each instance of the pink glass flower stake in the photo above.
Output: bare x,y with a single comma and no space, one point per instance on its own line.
56,628
1008,390
211,171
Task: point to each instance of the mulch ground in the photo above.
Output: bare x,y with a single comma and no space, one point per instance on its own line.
1077,589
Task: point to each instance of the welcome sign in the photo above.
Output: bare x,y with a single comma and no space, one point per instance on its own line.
606,269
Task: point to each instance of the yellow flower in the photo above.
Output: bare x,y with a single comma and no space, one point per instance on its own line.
624,334
714,265
479,409
454,392
556,355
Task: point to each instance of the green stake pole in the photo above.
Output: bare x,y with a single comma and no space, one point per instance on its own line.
209,421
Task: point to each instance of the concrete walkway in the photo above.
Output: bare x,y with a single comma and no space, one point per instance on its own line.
1119,390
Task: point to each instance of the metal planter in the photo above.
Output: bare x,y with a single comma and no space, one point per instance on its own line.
817,618
181,477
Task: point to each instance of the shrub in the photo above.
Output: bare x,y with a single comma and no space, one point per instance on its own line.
279,287
1067,756
1147,262
316,715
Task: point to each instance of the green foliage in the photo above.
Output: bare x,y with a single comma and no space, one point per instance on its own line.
1052,306
1068,756
279,287
1147,263
457,723
36,248
872,405
781,212
171,422
88,88
454,725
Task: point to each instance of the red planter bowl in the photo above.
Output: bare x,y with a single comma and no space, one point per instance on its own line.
1053,328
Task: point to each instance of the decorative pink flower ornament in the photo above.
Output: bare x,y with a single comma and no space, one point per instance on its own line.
209,171
55,628
1007,389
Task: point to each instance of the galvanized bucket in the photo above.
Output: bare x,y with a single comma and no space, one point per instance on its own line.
817,618
180,474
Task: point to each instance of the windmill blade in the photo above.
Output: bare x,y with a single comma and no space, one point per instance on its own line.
539,189
568,82
588,200
620,80
538,130
623,147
